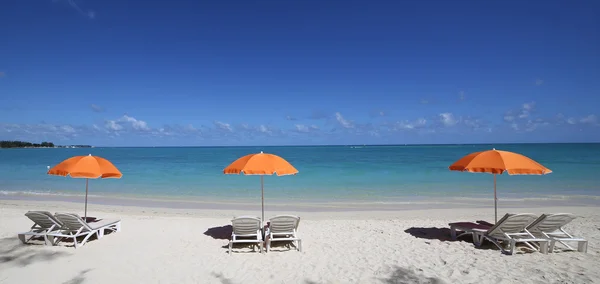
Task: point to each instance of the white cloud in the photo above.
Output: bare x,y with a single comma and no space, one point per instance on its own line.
526,109
407,125
135,123
590,119
223,126
96,108
448,119
509,117
113,125
539,82
264,129
342,121
126,123
305,128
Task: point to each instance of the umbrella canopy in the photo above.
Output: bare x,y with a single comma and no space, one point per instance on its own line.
86,167
261,164
497,162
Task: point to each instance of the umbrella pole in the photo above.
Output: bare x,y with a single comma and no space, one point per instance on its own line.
495,201
262,190
262,195
86,194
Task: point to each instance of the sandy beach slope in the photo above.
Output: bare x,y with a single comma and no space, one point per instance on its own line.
160,245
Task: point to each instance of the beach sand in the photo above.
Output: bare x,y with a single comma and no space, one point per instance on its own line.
159,245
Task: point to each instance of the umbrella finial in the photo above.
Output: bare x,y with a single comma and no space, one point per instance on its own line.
261,152
494,149
90,155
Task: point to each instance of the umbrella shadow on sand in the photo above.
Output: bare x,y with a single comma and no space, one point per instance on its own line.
17,253
220,233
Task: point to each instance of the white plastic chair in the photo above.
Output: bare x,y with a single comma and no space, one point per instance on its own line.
246,229
43,223
509,229
551,226
284,228
74,227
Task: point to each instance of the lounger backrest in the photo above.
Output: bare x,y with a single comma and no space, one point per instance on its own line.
245,225
43,219
72,221
284,223
511,224
550,222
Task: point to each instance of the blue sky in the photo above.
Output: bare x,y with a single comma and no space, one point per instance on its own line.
162,73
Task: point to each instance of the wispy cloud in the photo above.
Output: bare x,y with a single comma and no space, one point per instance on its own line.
290,118
96,108
524,120
539,82
223,126
90,14
522,113
2,74
301,128
461,95
342,121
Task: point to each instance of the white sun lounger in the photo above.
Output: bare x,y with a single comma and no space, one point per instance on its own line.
246,229
44,223
510,229
284,228
74,227
551,226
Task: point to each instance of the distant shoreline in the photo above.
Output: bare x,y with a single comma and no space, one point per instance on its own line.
33,147
357,146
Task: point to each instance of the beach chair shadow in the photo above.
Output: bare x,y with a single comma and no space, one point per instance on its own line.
441,234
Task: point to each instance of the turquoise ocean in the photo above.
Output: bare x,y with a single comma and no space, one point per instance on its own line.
327,174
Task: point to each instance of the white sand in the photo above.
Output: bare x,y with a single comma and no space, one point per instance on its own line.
169,246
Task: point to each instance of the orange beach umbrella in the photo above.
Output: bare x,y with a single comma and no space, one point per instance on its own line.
261,164
497,162
86,167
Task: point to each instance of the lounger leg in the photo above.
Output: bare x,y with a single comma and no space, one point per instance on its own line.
552,244
230,247
544,247
299,245
512,244
88,236
118,227
453,233
582,246
477,239
54,241
22,238
100,233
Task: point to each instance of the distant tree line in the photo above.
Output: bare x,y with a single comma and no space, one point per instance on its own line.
23,144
